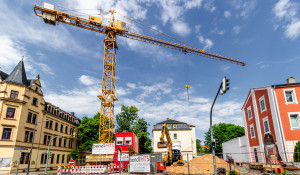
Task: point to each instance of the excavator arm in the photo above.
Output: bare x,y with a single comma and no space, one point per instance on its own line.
162,144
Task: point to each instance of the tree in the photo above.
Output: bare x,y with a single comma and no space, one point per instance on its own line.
140,129
222,133
126,118
74,154
129,121
297,152
198,145
88,132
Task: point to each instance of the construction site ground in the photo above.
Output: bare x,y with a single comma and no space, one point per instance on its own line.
200,165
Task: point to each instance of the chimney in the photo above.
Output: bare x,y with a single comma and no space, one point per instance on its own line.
167,118
290,80
72,113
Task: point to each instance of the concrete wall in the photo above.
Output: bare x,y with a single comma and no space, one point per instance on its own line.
237,148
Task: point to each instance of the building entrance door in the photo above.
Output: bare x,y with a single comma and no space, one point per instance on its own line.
255,154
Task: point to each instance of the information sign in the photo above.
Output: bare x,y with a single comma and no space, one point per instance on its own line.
103,148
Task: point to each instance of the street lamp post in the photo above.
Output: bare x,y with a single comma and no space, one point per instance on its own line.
29,158
47,158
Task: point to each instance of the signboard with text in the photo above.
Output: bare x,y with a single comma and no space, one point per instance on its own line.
103,148
125,157
140,164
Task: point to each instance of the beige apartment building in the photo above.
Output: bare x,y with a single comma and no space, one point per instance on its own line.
21,106
183,137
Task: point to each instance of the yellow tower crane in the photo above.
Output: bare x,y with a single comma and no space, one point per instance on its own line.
113,28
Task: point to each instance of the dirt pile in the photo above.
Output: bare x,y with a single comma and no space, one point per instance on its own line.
203,164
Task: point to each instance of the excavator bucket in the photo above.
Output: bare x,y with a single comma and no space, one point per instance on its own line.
162,145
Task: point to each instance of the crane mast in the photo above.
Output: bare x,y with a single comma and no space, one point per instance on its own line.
108,94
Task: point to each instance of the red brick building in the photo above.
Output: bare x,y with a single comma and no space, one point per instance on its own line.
272,121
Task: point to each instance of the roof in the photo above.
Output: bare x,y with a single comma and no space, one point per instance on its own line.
170,121
3,75
18,75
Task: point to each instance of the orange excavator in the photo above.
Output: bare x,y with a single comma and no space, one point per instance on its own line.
174,155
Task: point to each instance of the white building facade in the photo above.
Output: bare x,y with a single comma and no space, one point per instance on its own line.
183,136
237,149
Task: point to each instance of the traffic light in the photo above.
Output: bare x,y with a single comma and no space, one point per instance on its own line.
225,85
213,144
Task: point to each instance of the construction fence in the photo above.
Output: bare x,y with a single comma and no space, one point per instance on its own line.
226,163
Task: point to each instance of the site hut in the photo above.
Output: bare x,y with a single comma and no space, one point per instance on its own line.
21,105
183,137
272,122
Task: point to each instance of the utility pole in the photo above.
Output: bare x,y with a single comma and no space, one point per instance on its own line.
222,89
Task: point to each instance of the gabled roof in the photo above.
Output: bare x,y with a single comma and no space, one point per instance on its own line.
3,75
18,75
170,121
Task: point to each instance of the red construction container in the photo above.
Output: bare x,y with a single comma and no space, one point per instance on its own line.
124,140
161,166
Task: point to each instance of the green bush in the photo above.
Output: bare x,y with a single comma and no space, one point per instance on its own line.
297,152
233,173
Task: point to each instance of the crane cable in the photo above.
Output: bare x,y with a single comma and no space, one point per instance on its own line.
155,30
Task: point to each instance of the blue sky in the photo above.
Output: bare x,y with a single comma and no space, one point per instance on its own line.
265,34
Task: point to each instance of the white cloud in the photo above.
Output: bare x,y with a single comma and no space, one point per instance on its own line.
286,12
236,29
293,29
181,28
243,8
88,80
131,85
225,68
227,14
208,43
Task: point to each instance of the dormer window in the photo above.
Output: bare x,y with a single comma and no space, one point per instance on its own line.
36,89
14,94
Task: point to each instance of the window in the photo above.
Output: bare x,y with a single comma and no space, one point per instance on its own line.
57,158
6,134
43,158
28,136
56,126
169,126
128,140
14,94
24,158
36,89
10,112
63,158
249,112
68,158
46,139
70,144
295,121
34,101
71,131
49,124
290,96
252,131
65,143
54,141
266,125
262,104
31,118
119,140
59,142
175,135
174,126
52,158
61,128
66,129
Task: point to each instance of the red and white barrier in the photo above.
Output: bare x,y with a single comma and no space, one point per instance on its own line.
94,169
